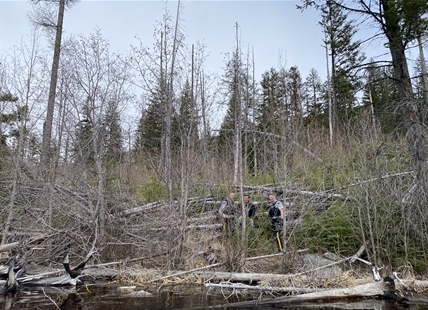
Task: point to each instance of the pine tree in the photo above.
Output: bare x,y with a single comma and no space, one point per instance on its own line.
6,97
186,121
113,134
273,118
230,130
82,146
421,87
294,86
381,93
40,19
316,109
345,55
272,107
149,132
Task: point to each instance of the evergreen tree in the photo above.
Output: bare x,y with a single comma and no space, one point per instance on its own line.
186,122
82,147
272,107
231,126
149,132
345,55
294,86
421,92
273,115
382,93
44,18
5,118
113,134
239,96
315,108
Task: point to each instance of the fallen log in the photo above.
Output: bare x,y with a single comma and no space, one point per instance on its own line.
262,288
258,277
14,245
291,192
157,204
243,277
63,280
384,289
185,272
192,227
141,208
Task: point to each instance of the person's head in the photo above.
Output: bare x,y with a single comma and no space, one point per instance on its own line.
272,197
246,198
231,196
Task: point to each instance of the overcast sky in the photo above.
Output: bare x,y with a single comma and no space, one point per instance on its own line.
273,29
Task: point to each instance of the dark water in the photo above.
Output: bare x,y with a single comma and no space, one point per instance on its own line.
112,297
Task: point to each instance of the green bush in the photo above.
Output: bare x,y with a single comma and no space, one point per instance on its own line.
152,190
327,231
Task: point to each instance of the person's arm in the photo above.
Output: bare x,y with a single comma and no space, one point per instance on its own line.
281,210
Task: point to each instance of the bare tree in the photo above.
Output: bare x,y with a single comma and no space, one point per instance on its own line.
25,80
99,88
158,72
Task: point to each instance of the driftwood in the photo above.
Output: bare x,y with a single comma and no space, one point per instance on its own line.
385,289
14,245
186,272
259,277
262,288
381,288
11,284
71,278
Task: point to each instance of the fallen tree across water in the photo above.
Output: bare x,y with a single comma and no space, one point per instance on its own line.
382,289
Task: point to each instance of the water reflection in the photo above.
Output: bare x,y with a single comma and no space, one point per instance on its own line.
114,297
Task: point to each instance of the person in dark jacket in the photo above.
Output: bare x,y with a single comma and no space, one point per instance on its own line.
276,213
250,208
227,212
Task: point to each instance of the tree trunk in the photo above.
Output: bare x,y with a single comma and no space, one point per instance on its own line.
47,126
424,70
414,127
11,206
237,101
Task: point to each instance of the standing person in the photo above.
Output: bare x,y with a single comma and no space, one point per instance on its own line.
276,213
227,212
250,208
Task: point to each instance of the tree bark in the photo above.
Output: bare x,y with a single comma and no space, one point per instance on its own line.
384,289
424,70
47,125
414,127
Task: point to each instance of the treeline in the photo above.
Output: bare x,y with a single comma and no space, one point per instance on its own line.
140,127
